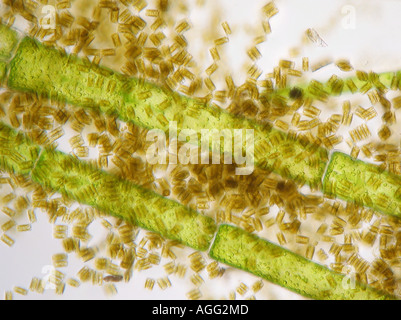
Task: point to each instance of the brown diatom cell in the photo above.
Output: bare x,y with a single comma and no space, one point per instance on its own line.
97,115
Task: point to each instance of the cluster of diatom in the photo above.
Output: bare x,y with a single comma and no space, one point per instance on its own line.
73,147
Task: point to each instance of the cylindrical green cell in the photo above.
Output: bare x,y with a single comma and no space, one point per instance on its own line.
8,42
85,184
336,86
365,184
49,72
17,154
79,181
52,73
240,249
3,71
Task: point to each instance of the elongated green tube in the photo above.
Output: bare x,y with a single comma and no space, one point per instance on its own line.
240,249
366,184
3,70
8,43
338,86
46,71
54,74
17,153
9,40
79,181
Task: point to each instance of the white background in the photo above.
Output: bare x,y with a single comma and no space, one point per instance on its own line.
371,42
